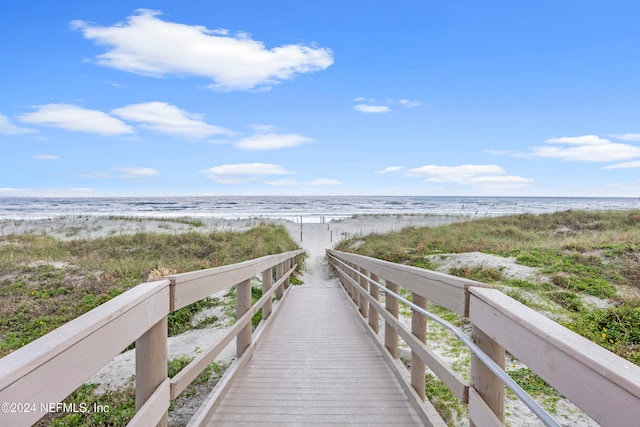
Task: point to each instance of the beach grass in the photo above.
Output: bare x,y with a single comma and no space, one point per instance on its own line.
586,256
584,253
46,282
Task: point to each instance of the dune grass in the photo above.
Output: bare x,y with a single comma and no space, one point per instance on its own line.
46,282
585,254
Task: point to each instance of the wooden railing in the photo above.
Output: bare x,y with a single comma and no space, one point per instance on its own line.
602,384
46,371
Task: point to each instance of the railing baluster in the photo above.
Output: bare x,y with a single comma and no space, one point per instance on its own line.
390,335
363,303
151,363
350,285
243,304
288,264
354,290
373,313
487,384
267,281
419,329
280,268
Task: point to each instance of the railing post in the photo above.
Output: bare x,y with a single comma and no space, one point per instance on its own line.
348,283
488,385
279,273
287,266
354,291
390,335
243,304
362,302
373,312
151,363
267,281
419,329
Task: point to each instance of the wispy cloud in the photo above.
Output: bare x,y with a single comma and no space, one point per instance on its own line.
271,141
370,105
320,182
232,62
409,104
491,175
264,128
46,192
586,148
624,165
137,173
46,157
168,119
364,108
242,172
390,169
635,137
7,128
76,119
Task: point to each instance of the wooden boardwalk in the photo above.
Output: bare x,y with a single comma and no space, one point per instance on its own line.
316,364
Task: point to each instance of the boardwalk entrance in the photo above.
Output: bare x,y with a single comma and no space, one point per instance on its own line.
316,364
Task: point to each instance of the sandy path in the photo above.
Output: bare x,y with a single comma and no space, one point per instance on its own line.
316,238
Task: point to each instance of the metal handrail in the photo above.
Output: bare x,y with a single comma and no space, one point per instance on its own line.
477,351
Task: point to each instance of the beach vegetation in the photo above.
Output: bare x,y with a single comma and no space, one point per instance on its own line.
535,387
588,274
194,222
116,407
46,282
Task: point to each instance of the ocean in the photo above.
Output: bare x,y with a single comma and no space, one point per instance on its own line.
312,208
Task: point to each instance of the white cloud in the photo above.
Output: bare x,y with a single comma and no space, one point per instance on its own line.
243,172
76,119
370,105
625,165
129,173
169,119
7,128
390,169
138,173
264,128
627,137
320,182
271,141
492,175
578,140
97,175
146,45
46,157
410,104
587,148
364,108
46,192
454,173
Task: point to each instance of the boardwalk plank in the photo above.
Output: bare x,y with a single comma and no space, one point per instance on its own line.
316,365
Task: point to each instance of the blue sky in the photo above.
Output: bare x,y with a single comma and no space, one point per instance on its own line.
491,98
